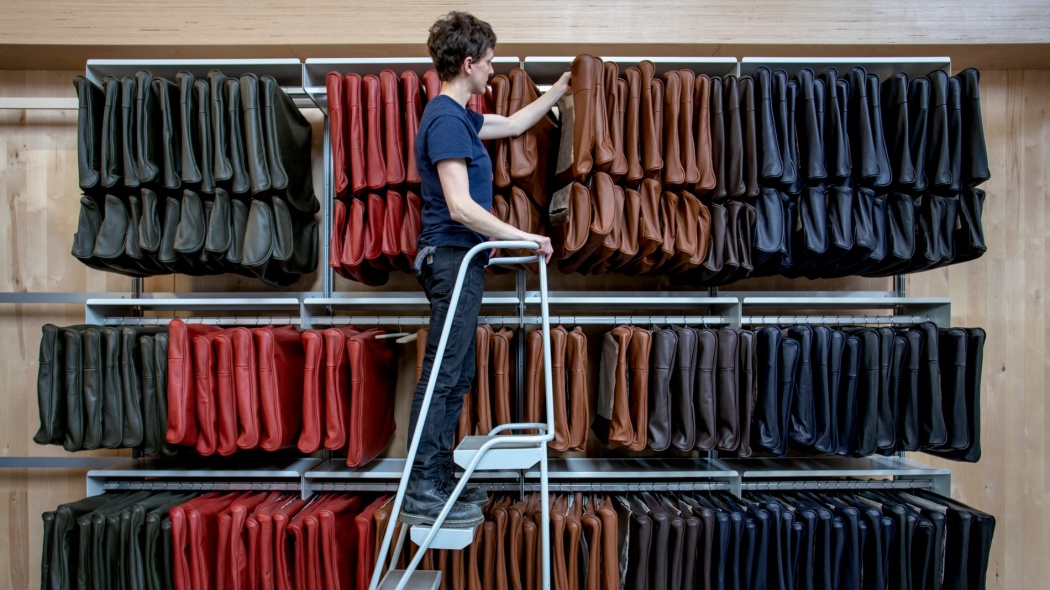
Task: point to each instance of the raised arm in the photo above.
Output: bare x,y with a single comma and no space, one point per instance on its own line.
498,126
463,209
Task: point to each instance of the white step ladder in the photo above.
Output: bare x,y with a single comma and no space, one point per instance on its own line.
493,452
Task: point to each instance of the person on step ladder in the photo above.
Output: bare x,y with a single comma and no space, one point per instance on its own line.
456,187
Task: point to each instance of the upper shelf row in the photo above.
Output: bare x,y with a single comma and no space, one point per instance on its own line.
306,78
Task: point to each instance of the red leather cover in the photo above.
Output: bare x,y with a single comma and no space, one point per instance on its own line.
239,556
313,391
180,540
339,542
337,386
295,548
281,363
225,392
395,213
392,134
246,385
373,376
182,413
282,572
411,225
260,540
412,102
202,525
354,248
335,245
337,133
375,220
432,84
375,153
231,530
355,133
365,527
205,404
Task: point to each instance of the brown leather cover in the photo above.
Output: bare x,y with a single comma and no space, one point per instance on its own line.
638,386
355,128
668,231
592,145
281,363
204,388
727,382
602,219
656,88
650,228
617,167
750,124
314,375
533,379
225,393
602,258
182,415
246,384
613,421
627,233
358,238
702,107
610,544
365,531
579,395
559,570
632,78
373,374
524,215
375,152
687,243
516,545
499,516
482,391
748,389
687,128
336,386
573,534
337,136
592,531
501,156
704,404
733,148
674,171
502,376
393,136
651,123
412,103
531,152
530,532
561,422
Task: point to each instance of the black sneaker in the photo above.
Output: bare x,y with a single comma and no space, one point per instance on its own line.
424,500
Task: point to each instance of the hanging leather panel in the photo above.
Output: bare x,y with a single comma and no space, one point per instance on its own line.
632,124
836,145
234,117
111,163
803,421
746,88
50,396
206,162
674,171
612,423
190,132
288,140
587,97
896,121
558,340
718,140
393,135
938,149
615,105
770,163
785,94
860,129
882,154
661,368
353,256
280,364
702,138
532,153
918,124
974,151
295,239
182,419
91,105
254,135
372,373
576,375
338,133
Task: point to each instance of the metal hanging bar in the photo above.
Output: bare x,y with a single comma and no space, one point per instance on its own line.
837,485
208,321
778,320
200,486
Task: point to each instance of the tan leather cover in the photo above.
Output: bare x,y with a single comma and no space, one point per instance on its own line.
687,127
632,78
592,531
617,167
531,152
501,377
516,545
499,516
702,106
482,391
533,379
412,103
592,145
601,223
674,171
501,155
355,124
638,386
613,387
611,528
628,231
561,423
668,211
656,88
601,260
375,152
579,395
559,569
650,229
531,529
573,534
692,221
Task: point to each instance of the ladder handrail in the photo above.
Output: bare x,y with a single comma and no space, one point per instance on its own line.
431,383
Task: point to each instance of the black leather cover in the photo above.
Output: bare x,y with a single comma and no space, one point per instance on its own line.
803,424
50,393
683,384
661,370
288,140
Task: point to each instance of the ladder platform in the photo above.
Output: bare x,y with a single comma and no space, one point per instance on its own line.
446,538
508,455
420,580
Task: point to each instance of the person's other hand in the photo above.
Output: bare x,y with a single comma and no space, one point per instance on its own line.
564,84
545,248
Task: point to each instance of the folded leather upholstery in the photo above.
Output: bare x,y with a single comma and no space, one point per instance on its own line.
182,419
938,152
733,147
355,126
766,434
578,393
314,388
111,161
393,135
558,340
412,102
371,426
91,104
534,381
727,382
482,392
770,163
612,422
280,363
336,386
974,151
531,153
674,171
718,138
749,121
593,220
632,123
359,237
205,153
501,89
51,402
640,532
151,433
836,147
860,129
246,388
112,389
803,406
130,370
846,408
747,388
501,378
230,526
702,134
661,366
205,393
287,138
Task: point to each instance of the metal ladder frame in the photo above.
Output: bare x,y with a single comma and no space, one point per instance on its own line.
540,440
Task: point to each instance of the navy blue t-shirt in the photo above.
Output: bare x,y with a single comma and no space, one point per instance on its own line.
448,130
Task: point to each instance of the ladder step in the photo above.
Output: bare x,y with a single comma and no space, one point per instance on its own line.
420,580
507,456
446,538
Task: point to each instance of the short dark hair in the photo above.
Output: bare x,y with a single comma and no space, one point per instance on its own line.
455,37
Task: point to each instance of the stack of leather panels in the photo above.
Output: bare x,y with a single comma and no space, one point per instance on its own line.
272,388
851,391
103,387
715,179
196,176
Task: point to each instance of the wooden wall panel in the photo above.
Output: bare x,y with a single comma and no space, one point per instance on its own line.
1002,292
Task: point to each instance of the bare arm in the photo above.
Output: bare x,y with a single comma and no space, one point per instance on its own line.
463,209
498,126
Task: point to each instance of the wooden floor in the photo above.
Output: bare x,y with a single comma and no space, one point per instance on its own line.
1002,292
